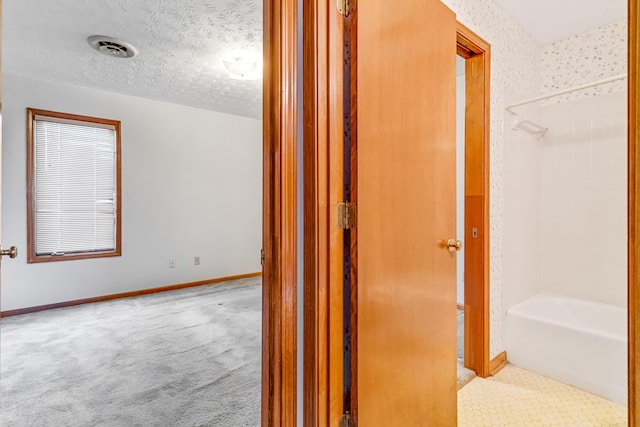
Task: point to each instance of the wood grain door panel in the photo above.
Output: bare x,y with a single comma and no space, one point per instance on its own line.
406,330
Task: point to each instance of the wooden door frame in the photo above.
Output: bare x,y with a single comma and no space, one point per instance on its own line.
634,213
323,178
477,54
279,272
323,172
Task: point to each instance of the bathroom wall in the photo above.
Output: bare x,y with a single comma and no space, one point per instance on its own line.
585,58
522,270
584,199
565,210
515,68
584,159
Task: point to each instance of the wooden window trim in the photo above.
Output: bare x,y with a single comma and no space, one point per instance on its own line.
31,244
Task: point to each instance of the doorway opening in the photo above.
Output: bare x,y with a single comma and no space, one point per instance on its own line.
473,286
464,374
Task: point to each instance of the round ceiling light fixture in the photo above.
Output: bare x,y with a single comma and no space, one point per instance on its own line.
243,68
112,47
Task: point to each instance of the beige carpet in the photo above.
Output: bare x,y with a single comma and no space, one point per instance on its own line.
182,358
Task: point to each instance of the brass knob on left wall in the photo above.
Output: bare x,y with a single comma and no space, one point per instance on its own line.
454,245
12,252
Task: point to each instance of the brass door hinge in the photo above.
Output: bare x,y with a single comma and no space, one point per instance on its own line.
261,256
346,215
346,7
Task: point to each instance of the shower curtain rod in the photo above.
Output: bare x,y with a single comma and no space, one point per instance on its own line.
563,92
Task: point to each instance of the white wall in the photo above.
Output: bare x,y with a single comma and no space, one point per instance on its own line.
191,186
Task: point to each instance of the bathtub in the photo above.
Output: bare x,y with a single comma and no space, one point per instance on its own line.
578,342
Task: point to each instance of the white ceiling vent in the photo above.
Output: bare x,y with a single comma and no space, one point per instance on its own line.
112,47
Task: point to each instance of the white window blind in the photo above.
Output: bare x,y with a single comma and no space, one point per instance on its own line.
74,187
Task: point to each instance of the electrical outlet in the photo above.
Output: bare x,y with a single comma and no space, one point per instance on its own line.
172,263
196,260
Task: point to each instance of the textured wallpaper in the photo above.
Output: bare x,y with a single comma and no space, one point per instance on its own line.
585,58
515,70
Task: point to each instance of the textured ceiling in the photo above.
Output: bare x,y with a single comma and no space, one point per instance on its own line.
181,45
549,21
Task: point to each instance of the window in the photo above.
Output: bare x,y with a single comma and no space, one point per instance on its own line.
73,187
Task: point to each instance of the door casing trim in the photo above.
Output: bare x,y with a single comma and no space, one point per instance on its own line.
477,54
279,305
323,175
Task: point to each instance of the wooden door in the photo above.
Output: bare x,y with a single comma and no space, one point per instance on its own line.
406,327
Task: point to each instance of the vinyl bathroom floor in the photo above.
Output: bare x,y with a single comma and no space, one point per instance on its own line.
517,397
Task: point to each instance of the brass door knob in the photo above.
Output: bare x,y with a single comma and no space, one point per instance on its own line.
12,252
454,245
